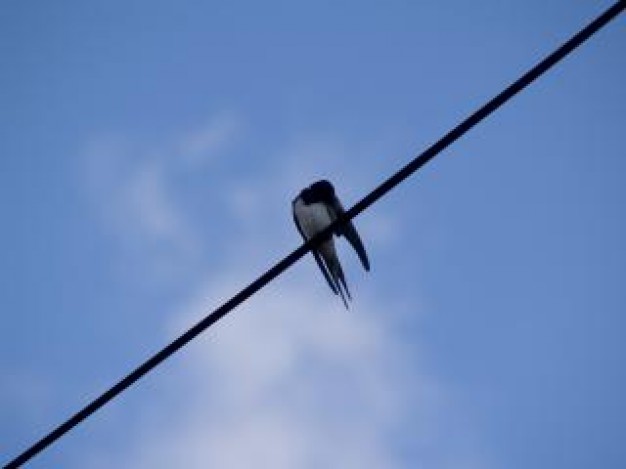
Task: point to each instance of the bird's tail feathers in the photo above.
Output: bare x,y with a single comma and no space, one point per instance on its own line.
328,253
340,281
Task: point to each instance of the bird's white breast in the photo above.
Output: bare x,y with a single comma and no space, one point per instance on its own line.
312,218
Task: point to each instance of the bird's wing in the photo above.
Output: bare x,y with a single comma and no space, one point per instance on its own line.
318,259
348,230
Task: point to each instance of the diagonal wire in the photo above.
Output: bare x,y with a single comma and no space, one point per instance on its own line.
290,259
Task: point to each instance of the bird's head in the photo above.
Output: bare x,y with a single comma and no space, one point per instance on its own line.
324,190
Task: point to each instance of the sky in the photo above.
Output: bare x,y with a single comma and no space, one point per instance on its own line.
149,153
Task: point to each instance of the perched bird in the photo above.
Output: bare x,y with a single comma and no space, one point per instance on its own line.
314,209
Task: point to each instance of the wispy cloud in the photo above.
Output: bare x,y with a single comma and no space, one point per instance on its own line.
203,142
129,189
135,190
290,379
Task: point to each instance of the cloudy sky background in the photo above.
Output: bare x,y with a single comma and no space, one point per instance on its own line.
149,154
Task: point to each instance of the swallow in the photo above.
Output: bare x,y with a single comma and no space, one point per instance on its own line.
316,207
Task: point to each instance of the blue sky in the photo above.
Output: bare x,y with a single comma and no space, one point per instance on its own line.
150,151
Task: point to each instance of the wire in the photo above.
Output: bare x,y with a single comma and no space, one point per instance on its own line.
290,259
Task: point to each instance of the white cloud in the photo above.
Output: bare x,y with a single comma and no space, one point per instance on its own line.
134,190
290,379
152,210
130,193
201,144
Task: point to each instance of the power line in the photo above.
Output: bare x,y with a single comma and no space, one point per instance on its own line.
290,259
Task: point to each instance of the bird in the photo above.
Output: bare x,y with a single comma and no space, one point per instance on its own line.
314,209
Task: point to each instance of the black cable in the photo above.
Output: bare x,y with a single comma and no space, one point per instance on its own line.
284,264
